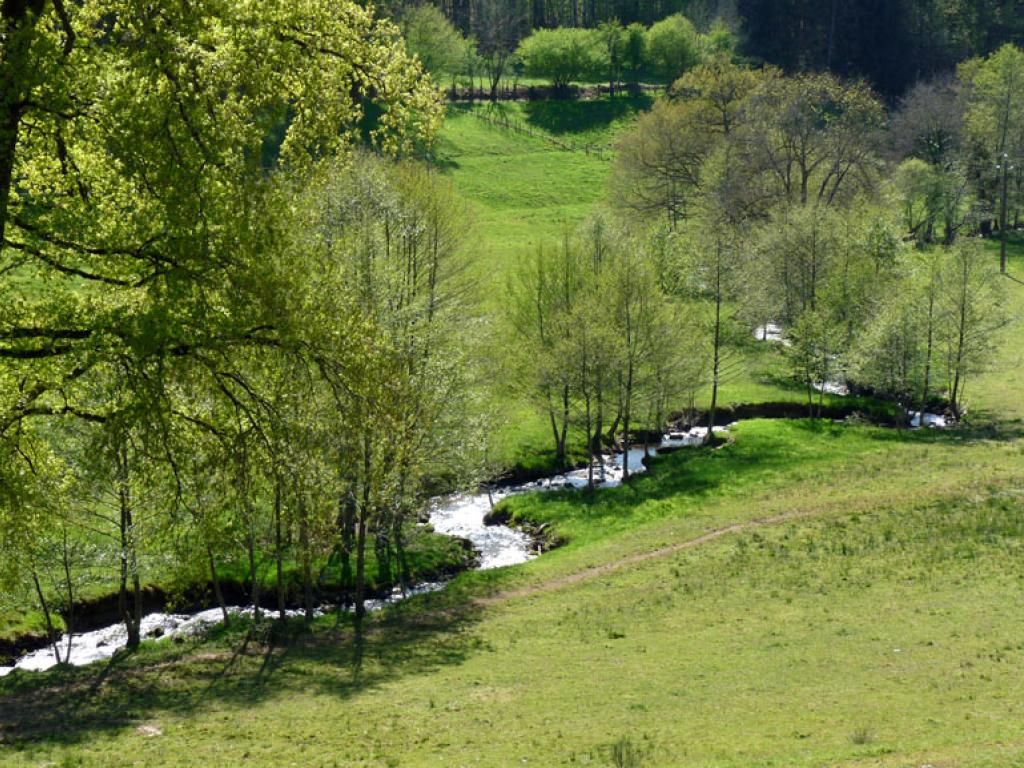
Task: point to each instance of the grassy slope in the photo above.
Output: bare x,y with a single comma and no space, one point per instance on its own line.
877,625
881,605
874,627
523,190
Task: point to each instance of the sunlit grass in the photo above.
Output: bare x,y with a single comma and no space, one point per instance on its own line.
880,607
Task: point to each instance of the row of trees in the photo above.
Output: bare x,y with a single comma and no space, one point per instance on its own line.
612,52
750,199
961,144
890,43
562,55
227,338
603,347
784,173
956,144
470,15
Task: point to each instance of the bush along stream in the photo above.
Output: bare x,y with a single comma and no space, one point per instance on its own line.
476,520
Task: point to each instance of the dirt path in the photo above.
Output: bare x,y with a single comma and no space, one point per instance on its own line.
821,506
598,571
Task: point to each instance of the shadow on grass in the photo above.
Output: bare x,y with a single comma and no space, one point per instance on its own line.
242,665
755,461
565,117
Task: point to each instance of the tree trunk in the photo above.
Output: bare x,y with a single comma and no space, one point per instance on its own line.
69,614
307,563
930,344
254,582
51,632
627,400
709,439
360,569
132,617
215,579
361,533
347,523
400,557
590,444
1002,218
598,429
278,549
562,457
961,342
17,27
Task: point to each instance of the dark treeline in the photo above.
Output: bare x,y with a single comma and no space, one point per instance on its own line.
890,43
467,15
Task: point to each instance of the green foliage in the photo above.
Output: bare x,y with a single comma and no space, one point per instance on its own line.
564,54
433,40
673,47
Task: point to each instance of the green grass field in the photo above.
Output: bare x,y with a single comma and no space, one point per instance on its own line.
805,595
861,619
522,191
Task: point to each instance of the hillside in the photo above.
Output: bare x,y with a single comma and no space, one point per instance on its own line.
806,594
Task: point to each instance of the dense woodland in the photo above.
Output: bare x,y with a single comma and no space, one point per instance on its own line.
890,44
238,333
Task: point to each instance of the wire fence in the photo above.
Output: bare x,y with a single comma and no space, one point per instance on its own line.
521,128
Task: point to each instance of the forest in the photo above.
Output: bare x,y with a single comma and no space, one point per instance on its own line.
363,366
890,44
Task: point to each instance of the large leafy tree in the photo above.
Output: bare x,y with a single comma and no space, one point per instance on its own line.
135,144
139,295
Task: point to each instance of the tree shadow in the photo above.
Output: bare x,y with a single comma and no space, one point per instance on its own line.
565,117
690,475
241,666
967,433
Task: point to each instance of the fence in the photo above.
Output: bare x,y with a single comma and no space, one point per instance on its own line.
519,127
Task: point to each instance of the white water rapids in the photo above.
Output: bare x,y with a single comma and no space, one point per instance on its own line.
459,515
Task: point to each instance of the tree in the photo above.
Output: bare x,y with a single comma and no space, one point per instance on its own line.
147,205
718,90
934,199
633,53
971,306
658,165
543,294
433,40
673,47
929,124
154,217
895,355
563,55
382,241
813,136
615,41
496,29
995,116
710,262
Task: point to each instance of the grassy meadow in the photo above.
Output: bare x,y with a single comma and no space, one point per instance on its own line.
805,595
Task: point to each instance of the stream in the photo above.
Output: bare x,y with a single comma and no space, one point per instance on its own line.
460,515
